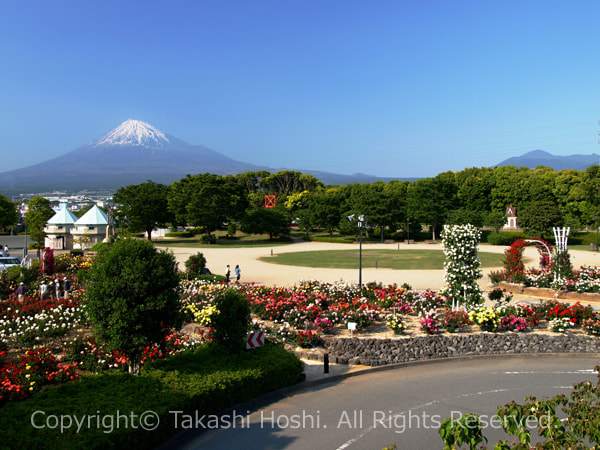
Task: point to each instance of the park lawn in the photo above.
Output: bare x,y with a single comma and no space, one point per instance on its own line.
383,259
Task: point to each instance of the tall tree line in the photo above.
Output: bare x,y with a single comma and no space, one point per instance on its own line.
543,198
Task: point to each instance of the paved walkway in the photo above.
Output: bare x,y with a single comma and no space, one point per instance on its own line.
262,272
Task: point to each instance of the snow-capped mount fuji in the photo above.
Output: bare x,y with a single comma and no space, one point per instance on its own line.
134,132
132,153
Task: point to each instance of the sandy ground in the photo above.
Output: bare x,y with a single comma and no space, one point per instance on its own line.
265,273
270,274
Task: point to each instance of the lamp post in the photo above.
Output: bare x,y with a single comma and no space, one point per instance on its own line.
362,221
407,230
594,219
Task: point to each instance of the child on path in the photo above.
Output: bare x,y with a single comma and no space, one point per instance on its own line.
238,273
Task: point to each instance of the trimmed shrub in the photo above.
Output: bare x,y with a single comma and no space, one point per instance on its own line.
505,237
202,381
132,297
208,239
194,265
180,234
231,320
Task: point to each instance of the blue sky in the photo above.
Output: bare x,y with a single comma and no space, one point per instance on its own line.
388,88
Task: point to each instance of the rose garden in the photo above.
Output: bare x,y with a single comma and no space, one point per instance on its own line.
50,349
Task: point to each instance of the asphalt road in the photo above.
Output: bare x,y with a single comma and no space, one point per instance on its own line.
402,406
16,244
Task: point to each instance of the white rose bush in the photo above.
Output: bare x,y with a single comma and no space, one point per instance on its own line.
462,268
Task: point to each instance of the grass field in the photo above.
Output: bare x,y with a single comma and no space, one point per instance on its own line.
382,259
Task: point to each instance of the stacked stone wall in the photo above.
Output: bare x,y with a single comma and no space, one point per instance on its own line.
379,352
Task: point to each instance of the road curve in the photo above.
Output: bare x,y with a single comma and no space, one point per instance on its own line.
402,406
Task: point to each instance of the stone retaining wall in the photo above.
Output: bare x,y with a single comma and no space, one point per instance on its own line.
378,352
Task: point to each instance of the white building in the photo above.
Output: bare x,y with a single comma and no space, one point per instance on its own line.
511,219
91,228
58,230
65,231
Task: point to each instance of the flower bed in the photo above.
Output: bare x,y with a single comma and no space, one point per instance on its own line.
308,315
585,280
288,314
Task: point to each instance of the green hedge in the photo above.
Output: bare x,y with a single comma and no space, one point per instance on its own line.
180,234
332,240
204,380
505,237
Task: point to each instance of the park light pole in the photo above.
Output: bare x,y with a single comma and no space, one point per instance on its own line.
596,223
362,221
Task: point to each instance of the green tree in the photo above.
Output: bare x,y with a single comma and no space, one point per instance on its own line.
38,214
464,216
132,298
494,219
305,220
143,206
431,198
252,181
178,199
380,203
207,200
570,198
590,192
540,217
508,187
272,221
287,181
8,213
327,210
474,188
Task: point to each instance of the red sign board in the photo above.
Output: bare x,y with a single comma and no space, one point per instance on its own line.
255,339
269,201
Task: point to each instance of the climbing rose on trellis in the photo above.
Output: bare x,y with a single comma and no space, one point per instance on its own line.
48,261
462,266
513,262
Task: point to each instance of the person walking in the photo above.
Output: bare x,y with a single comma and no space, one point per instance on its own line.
59,291
66,287
238,273
21,291
227,273
43,291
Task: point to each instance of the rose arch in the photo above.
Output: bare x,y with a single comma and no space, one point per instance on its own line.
513,263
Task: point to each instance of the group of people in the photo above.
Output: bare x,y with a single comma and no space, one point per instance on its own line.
55,289
238,273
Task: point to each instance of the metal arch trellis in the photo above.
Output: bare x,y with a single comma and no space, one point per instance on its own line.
561,236
544,250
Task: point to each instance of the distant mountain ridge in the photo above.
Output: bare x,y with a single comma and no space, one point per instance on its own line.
131,154
537,158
